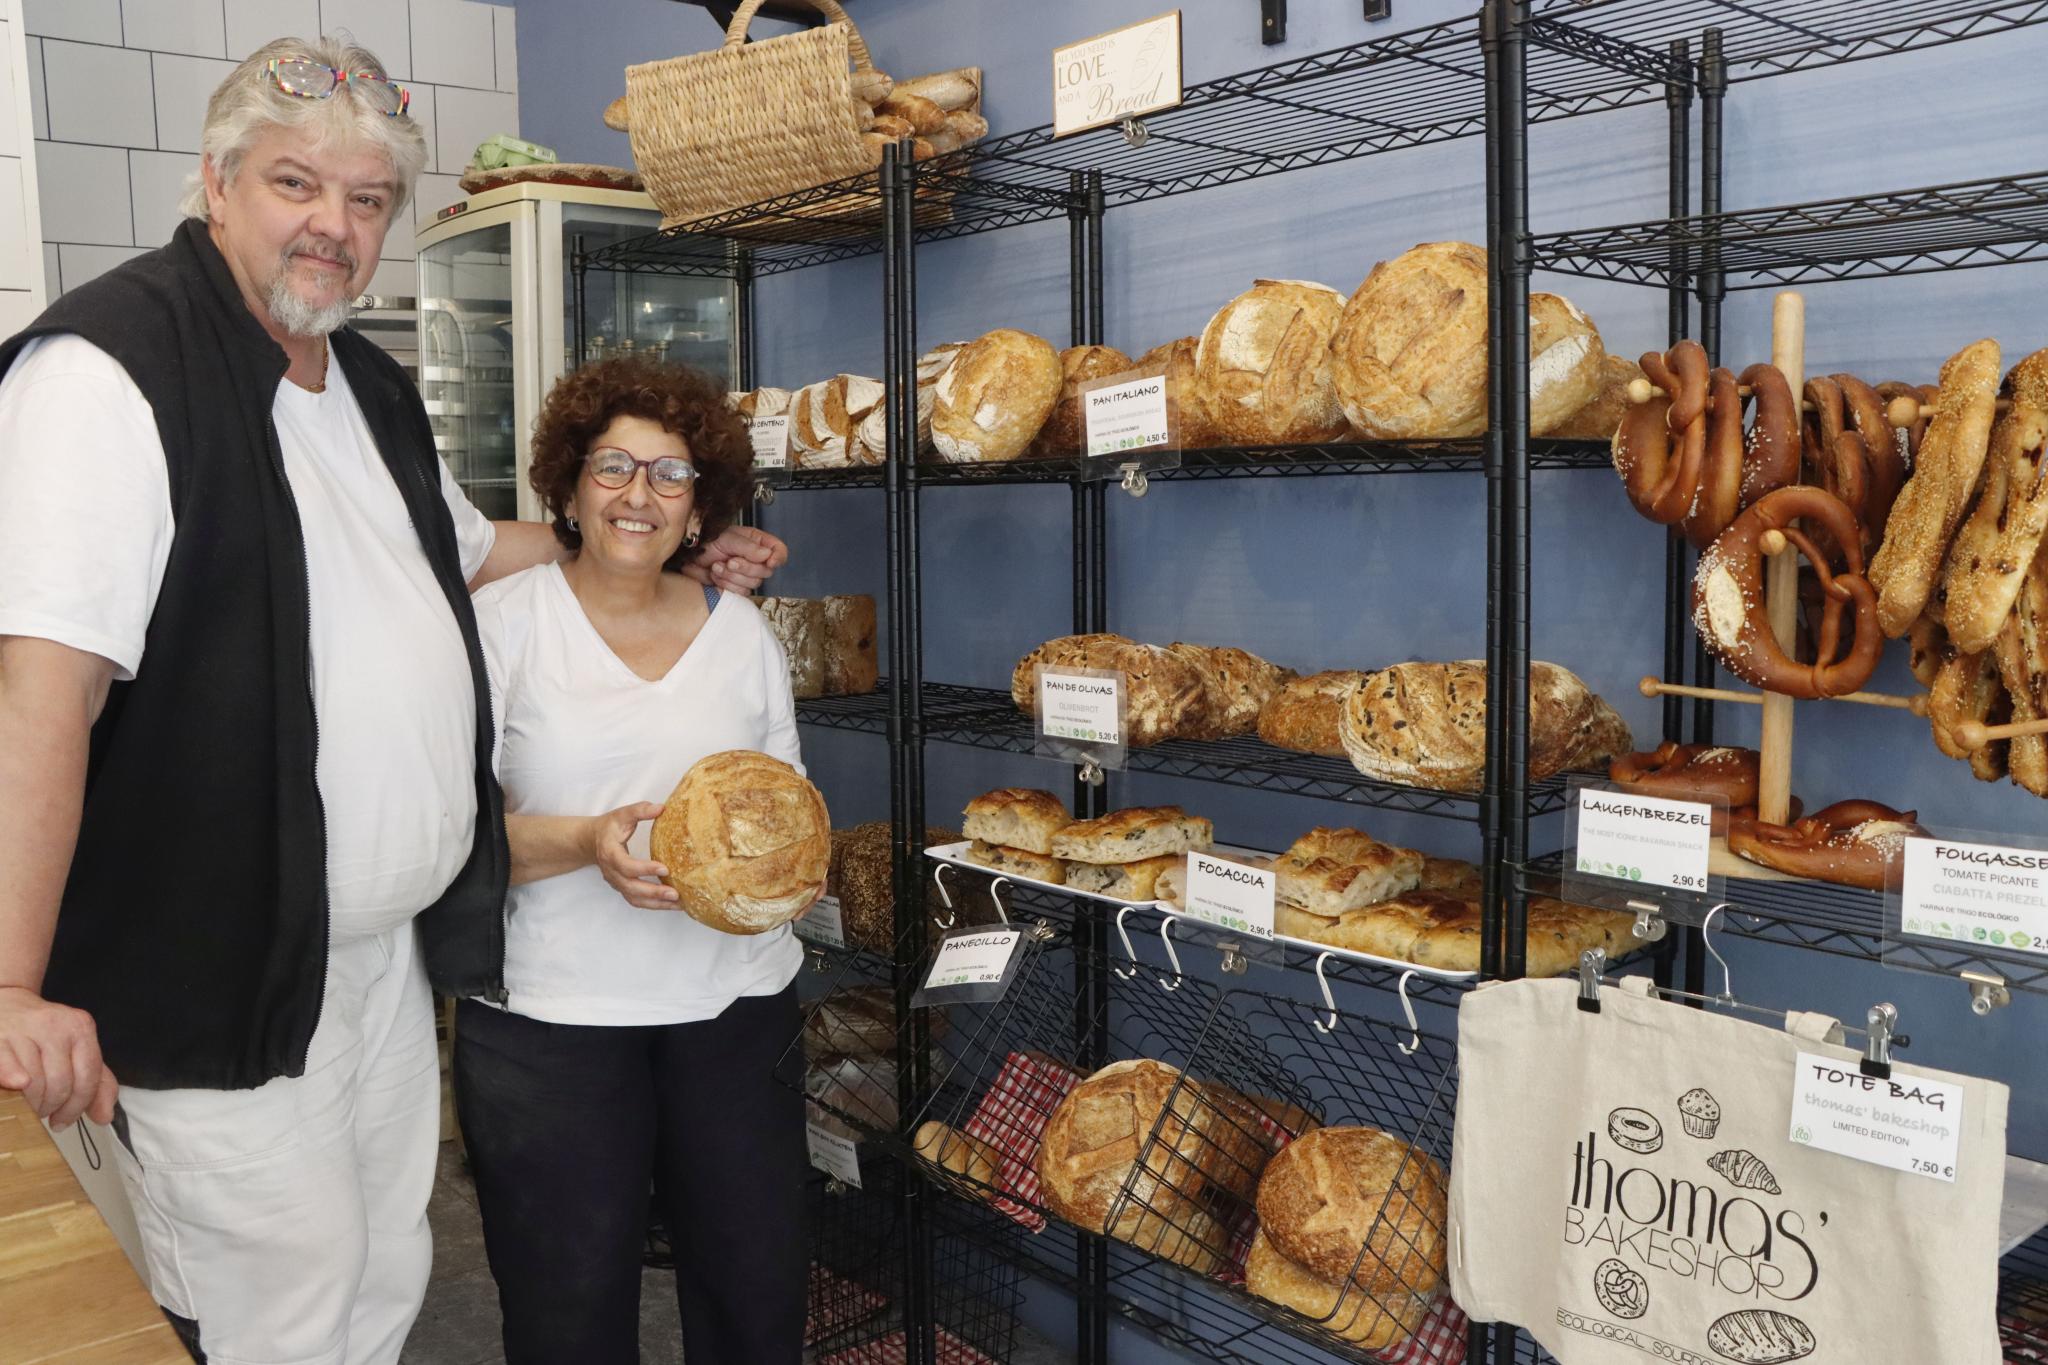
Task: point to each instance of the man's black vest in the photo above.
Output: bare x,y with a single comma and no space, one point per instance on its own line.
194,921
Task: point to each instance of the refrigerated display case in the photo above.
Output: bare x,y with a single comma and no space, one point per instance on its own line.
496,331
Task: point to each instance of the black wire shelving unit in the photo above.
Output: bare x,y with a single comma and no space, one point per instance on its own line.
1490,73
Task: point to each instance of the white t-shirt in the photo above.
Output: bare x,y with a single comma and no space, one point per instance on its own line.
579,733
85,532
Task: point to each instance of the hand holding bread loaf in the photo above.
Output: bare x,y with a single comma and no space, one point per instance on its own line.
746,842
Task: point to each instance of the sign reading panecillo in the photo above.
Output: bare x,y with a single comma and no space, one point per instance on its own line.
1086,707
1230,895
1118,75
1126,417
1989,895
1645,839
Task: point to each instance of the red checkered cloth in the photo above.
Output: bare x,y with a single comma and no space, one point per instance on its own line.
1439,1341
2025,1342
889,1350
837,1303
1011,1118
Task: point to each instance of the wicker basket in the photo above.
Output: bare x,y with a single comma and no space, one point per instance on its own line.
746,122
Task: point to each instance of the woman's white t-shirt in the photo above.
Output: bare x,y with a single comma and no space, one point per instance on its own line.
579,733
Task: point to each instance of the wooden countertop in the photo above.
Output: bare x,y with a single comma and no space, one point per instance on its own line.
67,1293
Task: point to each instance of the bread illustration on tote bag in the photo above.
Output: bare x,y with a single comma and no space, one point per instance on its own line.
1744,1170
1759,1336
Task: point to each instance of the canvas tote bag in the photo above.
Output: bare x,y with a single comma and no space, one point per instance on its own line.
1624,1188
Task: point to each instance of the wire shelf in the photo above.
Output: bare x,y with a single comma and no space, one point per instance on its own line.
1841,920
1976,223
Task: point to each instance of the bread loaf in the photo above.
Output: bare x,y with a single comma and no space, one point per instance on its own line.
825,417
924,117
950,90
1165,694
851,668
861,877
1016,817
1424,724
1184,1235
746,842
1065,651
1132,881
1566,362
859,1088
798,624
1133,834
1373,1323
1304,713
957,1153
1329,871
1262,366
1176,360
994,397
1017,862
1093,1140
1601,414
1240,684
1064,435
1331,1192
767,402
859,1021
871,437
1409,355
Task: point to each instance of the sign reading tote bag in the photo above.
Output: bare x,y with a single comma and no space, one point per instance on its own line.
1624,1187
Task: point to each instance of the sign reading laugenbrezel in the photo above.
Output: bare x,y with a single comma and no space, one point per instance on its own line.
1117,75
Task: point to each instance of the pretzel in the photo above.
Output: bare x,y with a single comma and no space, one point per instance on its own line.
1929,650
1968,688
1690,772
1662,486
1738,467
1728,599
1850,449
1848,843
1770,453
1989,556
1924,397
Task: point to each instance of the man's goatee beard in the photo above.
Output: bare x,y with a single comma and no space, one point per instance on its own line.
301,319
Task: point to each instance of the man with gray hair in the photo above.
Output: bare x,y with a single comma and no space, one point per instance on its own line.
246,801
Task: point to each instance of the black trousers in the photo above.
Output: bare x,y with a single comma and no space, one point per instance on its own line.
567,1123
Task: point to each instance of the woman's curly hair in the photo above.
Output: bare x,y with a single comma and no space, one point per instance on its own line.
678,399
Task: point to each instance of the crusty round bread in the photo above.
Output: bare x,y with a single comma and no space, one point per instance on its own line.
1262,367
1409,355
825,418
1239,684
1600,416
1373,1323
1176,360
765,402
1424,724
1304,714
994,397
1065,435
1186,1236
1566,362
1335,1192
1093,1139
1165,694
1066,651
746,841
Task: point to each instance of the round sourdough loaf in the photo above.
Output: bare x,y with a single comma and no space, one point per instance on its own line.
1600,417
1566,362
1424,724
1372,1323
1356,1202
1176,360
824,419
994,397
1262,367
746,841
1064,434
1093,1140
1409,355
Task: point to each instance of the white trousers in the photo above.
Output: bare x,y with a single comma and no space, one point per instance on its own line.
290,1221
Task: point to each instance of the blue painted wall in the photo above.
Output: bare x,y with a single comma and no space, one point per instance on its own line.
1364,572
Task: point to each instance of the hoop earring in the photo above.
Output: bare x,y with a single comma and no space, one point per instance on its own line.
690,540
572,524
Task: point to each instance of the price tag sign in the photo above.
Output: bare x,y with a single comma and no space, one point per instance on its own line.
833,1155
1907,1123
1230,895
1986,895
1647,840
1085,705
823,924
770,436
972,966
1128,416
1121,74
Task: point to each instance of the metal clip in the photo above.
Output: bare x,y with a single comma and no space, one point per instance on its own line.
1234,962
1727,995
819,962
1166,937
1135,132
1135,481
945,896
1414,1043
1592,966
1987,992
1650,926
1329,1001
1091,772
1125,973
1877,1053
995,895
1041,930
764,492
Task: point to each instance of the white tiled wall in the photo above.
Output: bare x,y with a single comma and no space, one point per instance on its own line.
118,89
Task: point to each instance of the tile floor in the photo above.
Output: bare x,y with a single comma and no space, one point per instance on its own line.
459,1324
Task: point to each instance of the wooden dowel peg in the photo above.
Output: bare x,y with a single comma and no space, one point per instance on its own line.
1781,586
1901,412
1975,734
1917,704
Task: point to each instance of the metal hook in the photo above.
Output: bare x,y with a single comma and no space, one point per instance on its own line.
1091,773
1166,937
946,896
1877,1054
1329,1002
1414,1043
995,894
1135,132
1727,995
764,492
1135,482
1126,973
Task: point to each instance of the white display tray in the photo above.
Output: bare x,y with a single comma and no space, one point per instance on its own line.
956,854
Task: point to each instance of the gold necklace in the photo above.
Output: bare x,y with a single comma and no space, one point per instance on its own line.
319,385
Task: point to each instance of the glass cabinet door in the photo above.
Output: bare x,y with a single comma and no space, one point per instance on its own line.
674,317
467,288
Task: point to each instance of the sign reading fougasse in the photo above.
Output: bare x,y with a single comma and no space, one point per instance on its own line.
770,436
1117,75
1128,416
833,1155
1986,895
1230,895
1907,1123
823,924
1648,840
